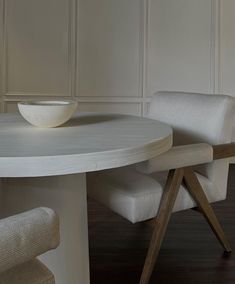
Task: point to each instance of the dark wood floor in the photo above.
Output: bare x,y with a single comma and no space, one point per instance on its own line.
190,253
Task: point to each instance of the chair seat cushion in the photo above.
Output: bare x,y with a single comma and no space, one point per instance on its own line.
32,272
178,157
136,196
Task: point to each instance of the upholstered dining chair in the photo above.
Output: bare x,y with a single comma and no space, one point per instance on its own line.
23,237
193,173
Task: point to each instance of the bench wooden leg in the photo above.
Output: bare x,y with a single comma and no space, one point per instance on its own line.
161,221
195,189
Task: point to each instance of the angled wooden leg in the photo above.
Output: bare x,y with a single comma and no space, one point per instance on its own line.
165,209
195,189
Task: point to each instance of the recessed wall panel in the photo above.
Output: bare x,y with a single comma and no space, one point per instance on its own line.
227,52
228,47
109,46
179,46
10,107
37,46
123,108
1,46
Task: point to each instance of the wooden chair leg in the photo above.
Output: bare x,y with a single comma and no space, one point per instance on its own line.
161,221
195,189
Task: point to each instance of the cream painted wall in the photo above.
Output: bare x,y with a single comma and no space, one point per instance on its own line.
179,49
227,50
112,55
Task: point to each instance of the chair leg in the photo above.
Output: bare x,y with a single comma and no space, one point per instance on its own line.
161,221
195,189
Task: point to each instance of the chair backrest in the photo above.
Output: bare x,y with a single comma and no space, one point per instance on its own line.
198,118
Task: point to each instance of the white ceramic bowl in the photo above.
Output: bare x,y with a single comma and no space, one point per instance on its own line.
47,113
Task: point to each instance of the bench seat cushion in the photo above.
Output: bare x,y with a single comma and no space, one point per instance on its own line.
136,196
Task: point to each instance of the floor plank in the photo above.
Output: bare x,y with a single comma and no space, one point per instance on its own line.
190,253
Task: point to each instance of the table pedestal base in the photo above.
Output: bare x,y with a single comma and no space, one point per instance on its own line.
67,196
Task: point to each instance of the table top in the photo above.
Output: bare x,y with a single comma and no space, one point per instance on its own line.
88,142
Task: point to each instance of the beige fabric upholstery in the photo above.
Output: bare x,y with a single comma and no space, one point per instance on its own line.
136,196
22,238
195,118
27,235
32,272
178,157
198,118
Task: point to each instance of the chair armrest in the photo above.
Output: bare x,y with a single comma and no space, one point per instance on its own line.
26,236
223,151
178,157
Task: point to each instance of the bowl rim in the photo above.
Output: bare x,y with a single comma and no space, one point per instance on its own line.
48,103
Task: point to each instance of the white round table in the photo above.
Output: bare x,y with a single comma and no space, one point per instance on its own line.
47,167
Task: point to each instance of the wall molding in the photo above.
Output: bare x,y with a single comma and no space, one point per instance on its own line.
72,42
1,51
218,45
3,48
141,44
71,56
146,31
92,99
216,82
73,59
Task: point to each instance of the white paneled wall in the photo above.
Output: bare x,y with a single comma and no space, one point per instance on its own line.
37,55
227,47
109,48
179,45
1,53
112,55
124,108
